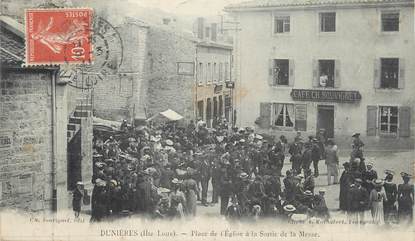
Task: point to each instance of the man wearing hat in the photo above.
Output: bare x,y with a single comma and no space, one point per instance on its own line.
289,186
295,151
205,173
358,199
289,210
78,195
225,186
357,147
241,189
316,154
346,180
309,182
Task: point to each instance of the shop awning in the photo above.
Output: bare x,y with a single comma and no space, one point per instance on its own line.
102,124
169,114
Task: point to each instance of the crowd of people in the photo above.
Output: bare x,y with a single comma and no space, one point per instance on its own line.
163,171
362,189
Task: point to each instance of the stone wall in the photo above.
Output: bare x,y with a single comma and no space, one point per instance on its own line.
26,139
119,96
166,88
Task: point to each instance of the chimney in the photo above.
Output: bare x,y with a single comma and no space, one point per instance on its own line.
200,27
214,29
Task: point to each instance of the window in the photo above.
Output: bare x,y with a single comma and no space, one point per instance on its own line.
200,74
221,72
207,32
388,119
215,73
390,21
326,73
283,115
227,76
389,72
328,22
209,73
281,72
282,24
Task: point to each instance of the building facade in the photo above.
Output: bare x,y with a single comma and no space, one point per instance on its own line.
214,92
336,67
33,121
119,94
170,71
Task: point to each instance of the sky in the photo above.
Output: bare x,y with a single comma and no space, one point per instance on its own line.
188,7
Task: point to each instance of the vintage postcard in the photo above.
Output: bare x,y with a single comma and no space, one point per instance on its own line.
207,120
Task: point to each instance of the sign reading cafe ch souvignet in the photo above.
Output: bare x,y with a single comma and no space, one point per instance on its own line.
326,95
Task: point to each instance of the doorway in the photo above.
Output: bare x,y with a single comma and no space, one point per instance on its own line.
325,120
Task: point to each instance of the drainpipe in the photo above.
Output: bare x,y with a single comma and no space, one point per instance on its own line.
54,146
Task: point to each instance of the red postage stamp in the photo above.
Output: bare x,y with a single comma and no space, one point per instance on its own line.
58,36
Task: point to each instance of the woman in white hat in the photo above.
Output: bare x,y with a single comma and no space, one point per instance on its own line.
376,199
177,199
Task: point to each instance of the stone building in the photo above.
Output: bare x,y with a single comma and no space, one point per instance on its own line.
148,80
121,94
32,164
37,127
170,71
213,67
333,66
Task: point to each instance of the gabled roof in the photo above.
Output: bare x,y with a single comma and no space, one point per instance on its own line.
260,4
12,47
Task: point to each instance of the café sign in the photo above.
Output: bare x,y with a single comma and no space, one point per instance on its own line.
326,95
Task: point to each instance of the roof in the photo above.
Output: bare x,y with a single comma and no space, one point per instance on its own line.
259,4
11,42
215,45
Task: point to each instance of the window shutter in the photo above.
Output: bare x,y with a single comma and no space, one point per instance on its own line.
401,81
337,78
315,73
265,115
291,77
271,72
376,74
404,121
371,120
301,117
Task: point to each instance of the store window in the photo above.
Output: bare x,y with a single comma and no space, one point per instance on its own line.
281,24
388,119
328,22
326,73
389,73
281,72
283,115
390,21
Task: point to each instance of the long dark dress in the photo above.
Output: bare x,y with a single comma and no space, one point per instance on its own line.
405,202
389,207
346,180
77,200
99,203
